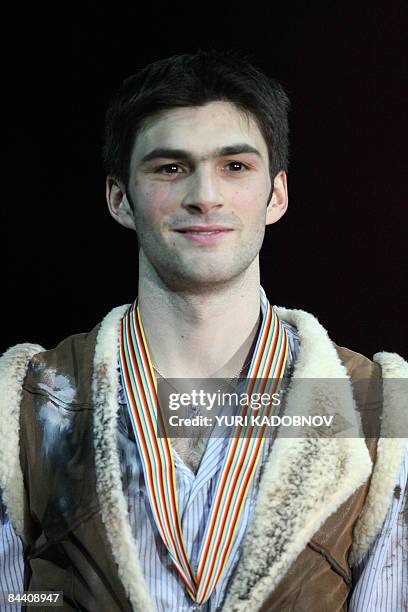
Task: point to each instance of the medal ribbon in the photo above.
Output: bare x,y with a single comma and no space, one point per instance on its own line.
242,456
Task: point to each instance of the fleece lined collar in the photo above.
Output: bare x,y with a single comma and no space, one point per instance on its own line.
304,480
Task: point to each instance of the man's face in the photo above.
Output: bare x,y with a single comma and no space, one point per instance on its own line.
200,183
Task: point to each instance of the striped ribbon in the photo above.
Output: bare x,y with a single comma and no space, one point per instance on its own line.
239,466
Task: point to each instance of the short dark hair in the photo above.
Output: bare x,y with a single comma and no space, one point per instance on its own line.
195,80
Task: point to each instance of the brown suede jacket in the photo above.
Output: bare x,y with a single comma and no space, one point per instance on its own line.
320,504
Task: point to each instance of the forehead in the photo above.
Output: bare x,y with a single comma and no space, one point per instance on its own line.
199,130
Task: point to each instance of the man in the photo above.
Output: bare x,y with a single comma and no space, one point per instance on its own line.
119,518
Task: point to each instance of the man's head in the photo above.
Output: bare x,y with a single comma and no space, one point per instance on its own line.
194,80
196,152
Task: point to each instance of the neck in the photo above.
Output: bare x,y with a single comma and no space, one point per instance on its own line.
194,334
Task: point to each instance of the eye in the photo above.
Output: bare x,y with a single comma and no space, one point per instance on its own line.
236,166
169,169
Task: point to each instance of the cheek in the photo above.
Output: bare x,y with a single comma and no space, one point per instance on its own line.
251,202
154,201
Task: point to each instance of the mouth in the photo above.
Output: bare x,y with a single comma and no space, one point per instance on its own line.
204,233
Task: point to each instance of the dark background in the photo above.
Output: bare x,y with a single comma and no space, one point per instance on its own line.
341,250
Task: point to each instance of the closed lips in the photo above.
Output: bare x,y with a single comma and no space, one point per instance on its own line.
203,230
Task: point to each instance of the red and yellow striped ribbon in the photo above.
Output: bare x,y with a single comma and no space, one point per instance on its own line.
242,456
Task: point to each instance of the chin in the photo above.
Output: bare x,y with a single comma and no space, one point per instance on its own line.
203,272
200,280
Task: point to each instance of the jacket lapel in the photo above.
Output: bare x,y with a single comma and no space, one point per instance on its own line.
105,390
304,481
306,478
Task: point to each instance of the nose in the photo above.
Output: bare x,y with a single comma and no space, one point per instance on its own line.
204,192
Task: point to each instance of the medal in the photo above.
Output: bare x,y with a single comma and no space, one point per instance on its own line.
242,456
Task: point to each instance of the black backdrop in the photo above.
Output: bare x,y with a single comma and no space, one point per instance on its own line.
340,251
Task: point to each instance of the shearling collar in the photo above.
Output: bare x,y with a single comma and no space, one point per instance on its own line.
294,499
304,480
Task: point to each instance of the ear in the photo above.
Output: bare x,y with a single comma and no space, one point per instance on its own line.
118,204
279,201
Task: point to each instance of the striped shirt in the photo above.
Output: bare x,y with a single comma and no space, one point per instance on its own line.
195,494
378,578
11,561
386,565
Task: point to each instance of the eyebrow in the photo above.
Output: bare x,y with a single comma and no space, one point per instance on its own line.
167,153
